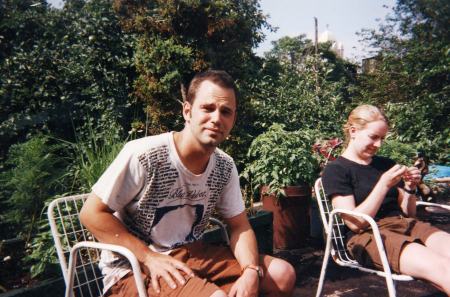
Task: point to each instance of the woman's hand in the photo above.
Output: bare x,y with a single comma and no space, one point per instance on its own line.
411,178
391,177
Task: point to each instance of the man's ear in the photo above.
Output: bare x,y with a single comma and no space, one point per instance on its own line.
186,111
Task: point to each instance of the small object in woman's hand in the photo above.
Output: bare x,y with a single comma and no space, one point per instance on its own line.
407,176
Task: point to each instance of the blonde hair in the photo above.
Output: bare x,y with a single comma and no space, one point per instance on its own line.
361,116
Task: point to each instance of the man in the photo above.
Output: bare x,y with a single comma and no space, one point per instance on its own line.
156,198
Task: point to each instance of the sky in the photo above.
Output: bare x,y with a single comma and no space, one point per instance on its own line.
343,17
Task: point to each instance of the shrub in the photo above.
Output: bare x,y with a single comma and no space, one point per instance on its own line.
281,158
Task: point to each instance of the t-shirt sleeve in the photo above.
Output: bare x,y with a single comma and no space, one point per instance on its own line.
121,181
230,203
336,181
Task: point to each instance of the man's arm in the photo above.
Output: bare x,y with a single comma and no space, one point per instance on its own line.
245,249
99,219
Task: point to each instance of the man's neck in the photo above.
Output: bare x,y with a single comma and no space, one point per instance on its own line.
193,156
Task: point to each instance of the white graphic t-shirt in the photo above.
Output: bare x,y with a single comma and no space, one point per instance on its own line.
160,201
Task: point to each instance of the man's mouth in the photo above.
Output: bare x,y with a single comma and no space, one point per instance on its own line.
217,131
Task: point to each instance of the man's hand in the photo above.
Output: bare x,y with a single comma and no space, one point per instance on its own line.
167,268
247,285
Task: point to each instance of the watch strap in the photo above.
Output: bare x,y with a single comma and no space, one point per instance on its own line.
258,269
412,192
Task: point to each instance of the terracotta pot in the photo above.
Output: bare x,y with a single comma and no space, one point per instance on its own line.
290,216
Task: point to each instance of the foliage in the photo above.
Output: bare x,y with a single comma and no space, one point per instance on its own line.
180,38
63,69
411,76
92,155
402,153
41,254
35,173
305,91
281,158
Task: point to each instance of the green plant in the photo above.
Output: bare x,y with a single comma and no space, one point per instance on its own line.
402,153
41,254
35,173
281,158
92,155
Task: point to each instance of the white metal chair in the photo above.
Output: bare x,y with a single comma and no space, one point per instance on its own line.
335,241
79,252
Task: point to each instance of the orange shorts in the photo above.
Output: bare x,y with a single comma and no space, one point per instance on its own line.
396,232
215,268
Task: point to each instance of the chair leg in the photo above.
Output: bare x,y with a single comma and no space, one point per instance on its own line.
71,272
326,258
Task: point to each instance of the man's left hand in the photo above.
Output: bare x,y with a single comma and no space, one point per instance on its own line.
247,285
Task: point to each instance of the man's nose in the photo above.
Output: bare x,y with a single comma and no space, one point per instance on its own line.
215,116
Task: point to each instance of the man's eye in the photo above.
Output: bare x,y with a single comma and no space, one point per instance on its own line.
226,112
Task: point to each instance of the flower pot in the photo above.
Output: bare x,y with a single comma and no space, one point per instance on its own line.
290,216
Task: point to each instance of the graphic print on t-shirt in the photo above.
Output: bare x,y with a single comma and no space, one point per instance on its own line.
176,207
168,217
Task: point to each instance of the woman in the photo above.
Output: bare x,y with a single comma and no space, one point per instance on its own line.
361,181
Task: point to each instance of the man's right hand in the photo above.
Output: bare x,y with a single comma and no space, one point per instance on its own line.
167,268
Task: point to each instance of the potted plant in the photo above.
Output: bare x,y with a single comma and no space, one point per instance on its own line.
282,169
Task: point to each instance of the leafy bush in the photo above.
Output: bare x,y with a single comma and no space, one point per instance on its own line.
65,68
402,153
92,155
280,158
35,173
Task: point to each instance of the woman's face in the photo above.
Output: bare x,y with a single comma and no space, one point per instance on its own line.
367,141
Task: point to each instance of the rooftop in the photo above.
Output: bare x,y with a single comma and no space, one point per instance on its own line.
342,281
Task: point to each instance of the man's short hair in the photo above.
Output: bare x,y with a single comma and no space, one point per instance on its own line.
218,77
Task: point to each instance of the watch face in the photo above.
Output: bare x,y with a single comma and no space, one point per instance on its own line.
260,271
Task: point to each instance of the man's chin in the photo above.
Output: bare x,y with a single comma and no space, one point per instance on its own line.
213,142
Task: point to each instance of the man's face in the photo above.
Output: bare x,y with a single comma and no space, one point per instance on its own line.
211,116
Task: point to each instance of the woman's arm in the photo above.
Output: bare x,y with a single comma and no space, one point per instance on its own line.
407,201
372,203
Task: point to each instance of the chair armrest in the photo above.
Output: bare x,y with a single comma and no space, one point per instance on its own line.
376,234
110,247
423,203
222,227
366,217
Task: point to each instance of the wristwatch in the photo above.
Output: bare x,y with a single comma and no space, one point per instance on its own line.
258,269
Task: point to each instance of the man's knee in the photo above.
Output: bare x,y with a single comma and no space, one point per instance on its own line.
219,293
282,276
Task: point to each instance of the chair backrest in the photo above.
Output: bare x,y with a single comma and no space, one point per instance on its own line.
67,230
338,231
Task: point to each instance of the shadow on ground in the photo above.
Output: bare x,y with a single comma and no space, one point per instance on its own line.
341,281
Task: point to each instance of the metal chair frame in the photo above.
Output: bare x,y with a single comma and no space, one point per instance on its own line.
79,252
335,241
